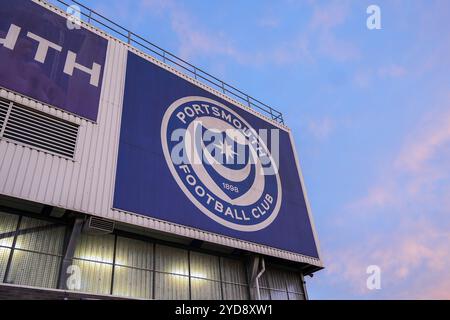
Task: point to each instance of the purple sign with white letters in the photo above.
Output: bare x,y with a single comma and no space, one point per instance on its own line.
48,58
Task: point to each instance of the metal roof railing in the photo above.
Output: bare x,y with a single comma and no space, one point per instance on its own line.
97,20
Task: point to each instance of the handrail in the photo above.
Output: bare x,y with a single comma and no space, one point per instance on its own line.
92,17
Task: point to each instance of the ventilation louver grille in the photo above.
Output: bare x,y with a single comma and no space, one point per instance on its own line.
98,225
37,129
4,106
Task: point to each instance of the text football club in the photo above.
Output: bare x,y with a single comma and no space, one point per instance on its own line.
221,163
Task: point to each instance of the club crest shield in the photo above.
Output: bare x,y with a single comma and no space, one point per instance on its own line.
221,164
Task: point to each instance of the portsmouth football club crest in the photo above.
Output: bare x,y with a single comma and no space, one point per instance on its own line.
221,163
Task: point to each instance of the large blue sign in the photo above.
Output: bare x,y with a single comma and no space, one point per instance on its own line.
50,59
191,158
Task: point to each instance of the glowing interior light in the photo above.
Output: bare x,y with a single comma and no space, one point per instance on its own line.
198,274
121,262
94,258
5,243
180,272
19,243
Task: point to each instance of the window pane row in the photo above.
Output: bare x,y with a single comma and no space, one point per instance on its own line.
111,264
160,273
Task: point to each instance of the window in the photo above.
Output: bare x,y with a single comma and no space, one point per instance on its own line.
205,277
94,256
133,276
281,284
8,226
171,273
30,251
121,266
234,279
115,265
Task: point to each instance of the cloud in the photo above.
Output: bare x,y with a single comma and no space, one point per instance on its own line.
364,77
421,148
420,165
414,264
192,38
402,223
321,128
324,21
329,16
317,39
392,71
378,196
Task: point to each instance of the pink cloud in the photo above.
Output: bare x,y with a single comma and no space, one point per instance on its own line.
423,147
330,15
413,264
412,199
378,196
441,290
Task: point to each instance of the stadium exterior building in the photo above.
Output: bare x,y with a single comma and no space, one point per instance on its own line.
93,203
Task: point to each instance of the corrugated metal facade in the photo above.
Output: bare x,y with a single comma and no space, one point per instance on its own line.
86,183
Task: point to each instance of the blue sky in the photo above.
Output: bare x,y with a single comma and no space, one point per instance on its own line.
370,111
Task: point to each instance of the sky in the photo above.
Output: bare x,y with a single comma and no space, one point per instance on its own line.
370,113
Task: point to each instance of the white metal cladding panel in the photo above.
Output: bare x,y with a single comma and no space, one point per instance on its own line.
86,183
48,241
134,253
